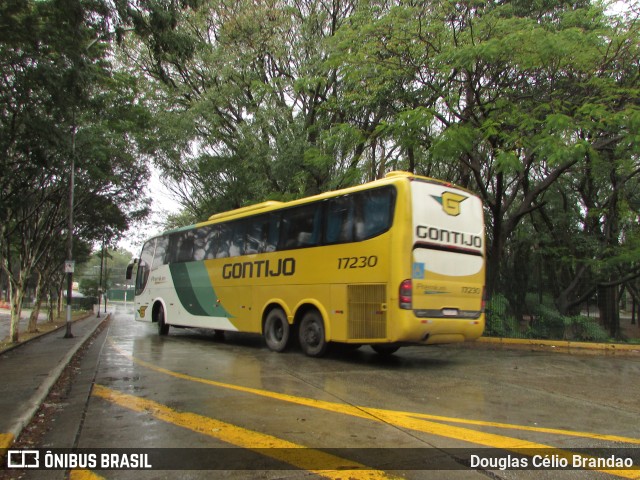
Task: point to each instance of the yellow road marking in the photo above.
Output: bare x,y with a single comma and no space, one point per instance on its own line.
371,413
299,456
524,447
6,440
84,475
417,421
553,431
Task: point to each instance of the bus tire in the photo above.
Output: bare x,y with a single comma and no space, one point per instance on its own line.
163,326
311,334
385,350
277,330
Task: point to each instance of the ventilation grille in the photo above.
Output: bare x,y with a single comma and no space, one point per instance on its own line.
367,311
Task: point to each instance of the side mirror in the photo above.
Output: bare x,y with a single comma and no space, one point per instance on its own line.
130,268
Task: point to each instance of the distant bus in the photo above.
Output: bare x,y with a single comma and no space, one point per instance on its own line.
398,261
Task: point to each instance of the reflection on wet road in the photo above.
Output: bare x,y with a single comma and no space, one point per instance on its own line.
190,390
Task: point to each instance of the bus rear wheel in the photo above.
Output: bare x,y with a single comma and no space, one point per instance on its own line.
163,327
311,334
277,330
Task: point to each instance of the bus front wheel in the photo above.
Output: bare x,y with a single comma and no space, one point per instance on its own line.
163,327
311,334
276,330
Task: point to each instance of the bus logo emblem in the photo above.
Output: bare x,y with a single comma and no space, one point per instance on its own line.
450,202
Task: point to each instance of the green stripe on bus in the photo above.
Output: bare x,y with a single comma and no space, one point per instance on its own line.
194,289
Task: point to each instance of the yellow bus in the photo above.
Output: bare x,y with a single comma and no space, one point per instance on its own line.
397,261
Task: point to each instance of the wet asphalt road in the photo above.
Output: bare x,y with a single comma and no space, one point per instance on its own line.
191,390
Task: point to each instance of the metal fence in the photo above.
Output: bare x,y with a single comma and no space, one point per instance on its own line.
543,321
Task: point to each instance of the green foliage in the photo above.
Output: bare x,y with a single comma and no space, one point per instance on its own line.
533,105
549,323
499,323
588,330
545,322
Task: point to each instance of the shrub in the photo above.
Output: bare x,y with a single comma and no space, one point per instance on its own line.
498,322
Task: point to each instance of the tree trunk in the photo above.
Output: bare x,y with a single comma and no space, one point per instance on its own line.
59,306
608,307
51,307
17,296
35,313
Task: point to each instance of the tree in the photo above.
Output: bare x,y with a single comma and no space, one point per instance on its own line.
61,98
240,117
506,98
518,101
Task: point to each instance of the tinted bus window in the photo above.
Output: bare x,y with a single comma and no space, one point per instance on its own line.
373,212
230,239
144,266
201,240
181,246
359,216
301,226
339,220
160,257
262,234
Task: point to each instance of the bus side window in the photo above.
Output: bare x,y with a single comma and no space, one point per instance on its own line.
271,243
181,247
160,257
230,239
200,243
238,231
223,241
211,242
257,235
262,234
301,226
144,266
339,220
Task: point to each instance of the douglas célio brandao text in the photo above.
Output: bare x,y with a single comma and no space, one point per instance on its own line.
550,461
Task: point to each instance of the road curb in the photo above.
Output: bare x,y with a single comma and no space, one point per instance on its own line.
563,346
33,403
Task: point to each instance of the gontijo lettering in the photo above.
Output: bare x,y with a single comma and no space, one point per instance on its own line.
260,268
435,234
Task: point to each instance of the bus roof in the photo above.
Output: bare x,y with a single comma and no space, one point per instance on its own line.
274,205
249,209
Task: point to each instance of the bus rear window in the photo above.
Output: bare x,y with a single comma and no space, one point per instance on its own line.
360,216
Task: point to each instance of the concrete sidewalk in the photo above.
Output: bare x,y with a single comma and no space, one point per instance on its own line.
29,371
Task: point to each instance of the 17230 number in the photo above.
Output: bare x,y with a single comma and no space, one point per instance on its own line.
357,262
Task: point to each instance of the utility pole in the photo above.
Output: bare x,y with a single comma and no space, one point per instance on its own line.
69,264
100,282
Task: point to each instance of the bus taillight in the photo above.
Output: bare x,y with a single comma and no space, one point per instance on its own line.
406,293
